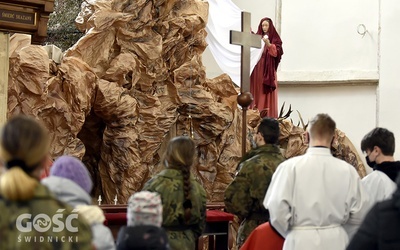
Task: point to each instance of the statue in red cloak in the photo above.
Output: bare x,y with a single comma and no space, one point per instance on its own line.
263,81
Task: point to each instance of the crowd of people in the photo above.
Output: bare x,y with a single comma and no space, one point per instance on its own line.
312,201
316,201
56,212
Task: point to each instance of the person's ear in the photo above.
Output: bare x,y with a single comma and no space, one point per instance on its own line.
260,137
377,149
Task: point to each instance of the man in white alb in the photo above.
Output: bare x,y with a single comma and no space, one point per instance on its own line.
316,201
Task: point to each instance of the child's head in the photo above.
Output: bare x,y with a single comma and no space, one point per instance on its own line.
144,208
73,169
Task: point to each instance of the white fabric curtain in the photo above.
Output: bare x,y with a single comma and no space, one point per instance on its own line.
224,16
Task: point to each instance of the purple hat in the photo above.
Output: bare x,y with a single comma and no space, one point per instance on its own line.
73,169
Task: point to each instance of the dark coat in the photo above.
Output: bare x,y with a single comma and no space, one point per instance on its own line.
380,228
142,237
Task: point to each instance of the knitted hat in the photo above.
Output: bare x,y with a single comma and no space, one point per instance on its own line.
73,169
144,208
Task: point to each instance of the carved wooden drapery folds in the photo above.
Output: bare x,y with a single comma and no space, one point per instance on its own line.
127,87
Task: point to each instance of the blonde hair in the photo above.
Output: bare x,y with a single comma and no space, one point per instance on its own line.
180,154
23,146
322,126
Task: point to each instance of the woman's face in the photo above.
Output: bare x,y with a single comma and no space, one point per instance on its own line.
265,26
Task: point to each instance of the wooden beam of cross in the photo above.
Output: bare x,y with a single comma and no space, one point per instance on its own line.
247,40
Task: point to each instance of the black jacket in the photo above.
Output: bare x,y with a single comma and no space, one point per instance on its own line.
390,168
381,227
142,238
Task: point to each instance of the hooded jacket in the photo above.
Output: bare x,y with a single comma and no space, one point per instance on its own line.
71,193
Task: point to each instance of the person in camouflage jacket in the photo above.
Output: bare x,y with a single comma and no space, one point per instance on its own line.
31,217
183,198
244,196
42,203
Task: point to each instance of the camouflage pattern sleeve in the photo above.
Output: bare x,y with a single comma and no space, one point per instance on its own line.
247,156
260,176
237,199
199,228
149,185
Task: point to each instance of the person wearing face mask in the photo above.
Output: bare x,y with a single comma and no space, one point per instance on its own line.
379,145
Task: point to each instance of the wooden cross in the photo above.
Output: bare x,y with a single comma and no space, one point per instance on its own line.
246,40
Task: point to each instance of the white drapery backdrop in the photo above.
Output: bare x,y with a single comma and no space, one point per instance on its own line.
224,16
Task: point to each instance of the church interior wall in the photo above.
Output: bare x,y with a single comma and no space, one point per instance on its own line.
323,45
389,81
323,36
351,106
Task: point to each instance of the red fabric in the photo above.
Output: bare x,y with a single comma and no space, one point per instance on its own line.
218,215
270,62
212,216
263,100
264,237
263,79
115,219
